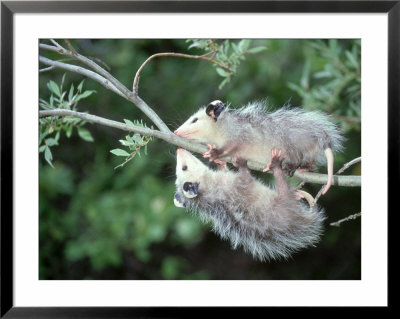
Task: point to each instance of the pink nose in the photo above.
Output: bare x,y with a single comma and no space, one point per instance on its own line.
176,132
179,150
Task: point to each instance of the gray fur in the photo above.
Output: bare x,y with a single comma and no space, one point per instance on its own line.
249,214
254,130
302,134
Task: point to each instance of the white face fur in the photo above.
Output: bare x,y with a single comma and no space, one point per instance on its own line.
202,126
189,169
197,127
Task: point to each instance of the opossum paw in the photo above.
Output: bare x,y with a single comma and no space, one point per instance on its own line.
276,159
240,162
211,153
290,169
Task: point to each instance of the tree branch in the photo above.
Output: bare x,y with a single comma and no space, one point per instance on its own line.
119,88
351,181
78,69
337,224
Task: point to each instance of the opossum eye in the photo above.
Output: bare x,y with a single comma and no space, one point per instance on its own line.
184,168
195,120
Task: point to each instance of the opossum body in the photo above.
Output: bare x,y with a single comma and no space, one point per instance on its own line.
268,223
306,138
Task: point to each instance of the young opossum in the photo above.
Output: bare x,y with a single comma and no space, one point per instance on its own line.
252,131
268,223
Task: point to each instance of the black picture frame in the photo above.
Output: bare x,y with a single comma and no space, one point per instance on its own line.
9,8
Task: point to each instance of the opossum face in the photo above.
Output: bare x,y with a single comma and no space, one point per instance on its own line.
189,171
201,126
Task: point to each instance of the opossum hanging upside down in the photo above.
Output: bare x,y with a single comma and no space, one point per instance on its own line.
252,131
268,223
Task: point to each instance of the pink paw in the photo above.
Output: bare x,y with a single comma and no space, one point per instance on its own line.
208,154
276,158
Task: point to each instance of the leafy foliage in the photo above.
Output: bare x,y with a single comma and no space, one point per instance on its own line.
133,143
335,87
51,127
227,53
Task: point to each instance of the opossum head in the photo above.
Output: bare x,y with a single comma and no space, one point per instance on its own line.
203,124
189,172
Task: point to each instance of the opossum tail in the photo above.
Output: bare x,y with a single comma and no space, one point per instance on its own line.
329,160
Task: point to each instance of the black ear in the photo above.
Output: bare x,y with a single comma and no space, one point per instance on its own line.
214,109
190,190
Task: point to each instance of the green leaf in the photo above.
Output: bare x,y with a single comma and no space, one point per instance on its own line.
129,122
226,80
137,138
127,143
85,134
222,72
62,82
80,86
48,156
71,93
84,95
53,87
51,142
120,152
244,44
68,131
352,59
256,49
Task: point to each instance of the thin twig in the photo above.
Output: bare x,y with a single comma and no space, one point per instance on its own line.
55,43
47,69
180,55
348,164
347,118
337,224
344,167
71,48
352,181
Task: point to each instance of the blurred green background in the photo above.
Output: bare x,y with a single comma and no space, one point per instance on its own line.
97,222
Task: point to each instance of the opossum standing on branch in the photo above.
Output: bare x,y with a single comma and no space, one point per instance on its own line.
268,223
252,131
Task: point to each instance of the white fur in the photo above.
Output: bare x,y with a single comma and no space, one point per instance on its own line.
246,212
254,130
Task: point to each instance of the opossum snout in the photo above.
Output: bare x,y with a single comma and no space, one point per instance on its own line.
176,132
178,201
190,190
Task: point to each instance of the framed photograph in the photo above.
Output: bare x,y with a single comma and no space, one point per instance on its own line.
165,157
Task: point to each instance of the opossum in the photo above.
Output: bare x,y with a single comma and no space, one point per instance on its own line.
268,223
252,131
